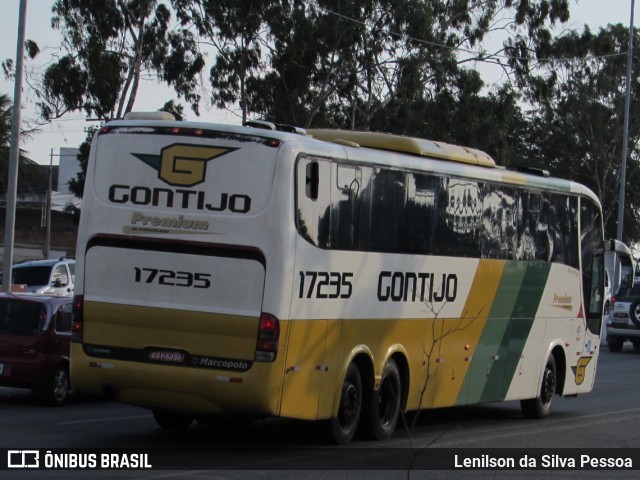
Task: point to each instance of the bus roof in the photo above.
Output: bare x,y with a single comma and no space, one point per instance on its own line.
410,152
400,143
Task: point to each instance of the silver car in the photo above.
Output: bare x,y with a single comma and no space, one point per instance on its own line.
624,323
50,277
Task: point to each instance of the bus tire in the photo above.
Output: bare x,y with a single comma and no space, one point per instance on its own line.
540,407
171,420
381,412
614,344
344,425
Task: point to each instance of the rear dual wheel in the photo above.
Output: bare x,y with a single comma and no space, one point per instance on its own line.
382,411
376,413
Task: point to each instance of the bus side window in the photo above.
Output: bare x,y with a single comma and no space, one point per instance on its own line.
463,217
382,210
344,207
312,180
313,200
422,223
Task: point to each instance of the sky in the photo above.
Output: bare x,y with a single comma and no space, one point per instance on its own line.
70,130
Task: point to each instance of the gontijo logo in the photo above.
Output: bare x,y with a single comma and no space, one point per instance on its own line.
183,165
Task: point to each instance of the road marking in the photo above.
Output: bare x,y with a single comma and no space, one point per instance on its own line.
108,419
452,437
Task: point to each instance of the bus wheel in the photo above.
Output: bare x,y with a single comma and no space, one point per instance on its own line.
382,411
344,425
172,421
614,344
540,407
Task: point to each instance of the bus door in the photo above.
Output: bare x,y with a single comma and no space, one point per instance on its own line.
314,288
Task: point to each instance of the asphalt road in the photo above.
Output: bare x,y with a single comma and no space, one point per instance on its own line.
605,422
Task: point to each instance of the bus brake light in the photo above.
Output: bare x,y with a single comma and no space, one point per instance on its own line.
77,324
268,335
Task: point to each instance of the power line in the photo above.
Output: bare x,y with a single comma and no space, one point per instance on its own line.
481,56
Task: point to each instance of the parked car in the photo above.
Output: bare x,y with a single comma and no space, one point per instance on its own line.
624,324
35,339
49,277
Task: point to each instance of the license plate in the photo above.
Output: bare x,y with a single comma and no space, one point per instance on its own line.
620,315
166,356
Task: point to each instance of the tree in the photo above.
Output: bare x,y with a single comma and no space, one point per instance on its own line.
28,168
352,64
110,45
575,123
76,185
234,29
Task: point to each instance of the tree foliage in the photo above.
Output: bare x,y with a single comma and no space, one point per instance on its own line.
392,65
109,45
575,124
328,62
27,167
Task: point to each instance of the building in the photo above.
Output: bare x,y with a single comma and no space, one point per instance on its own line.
31,211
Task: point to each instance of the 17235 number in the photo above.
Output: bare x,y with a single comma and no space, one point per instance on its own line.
172,278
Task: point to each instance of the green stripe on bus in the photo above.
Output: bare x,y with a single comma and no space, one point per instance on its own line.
520,321
490,344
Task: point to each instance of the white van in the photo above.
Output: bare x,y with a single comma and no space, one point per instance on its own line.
50,277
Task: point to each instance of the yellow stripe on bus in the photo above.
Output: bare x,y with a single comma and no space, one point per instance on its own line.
459,338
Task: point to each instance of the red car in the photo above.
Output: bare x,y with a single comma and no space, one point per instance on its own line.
35,337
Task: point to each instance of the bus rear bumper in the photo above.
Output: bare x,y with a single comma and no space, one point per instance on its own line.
196,391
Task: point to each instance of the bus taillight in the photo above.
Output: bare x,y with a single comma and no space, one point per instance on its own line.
268,335
77,325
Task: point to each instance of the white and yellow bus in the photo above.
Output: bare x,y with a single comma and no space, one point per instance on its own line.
327,275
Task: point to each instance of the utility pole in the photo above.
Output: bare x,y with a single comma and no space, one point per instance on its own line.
46,251
625,133
14,152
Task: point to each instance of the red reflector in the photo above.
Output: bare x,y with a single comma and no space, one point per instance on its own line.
105,130
198,131
175,130
265,346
